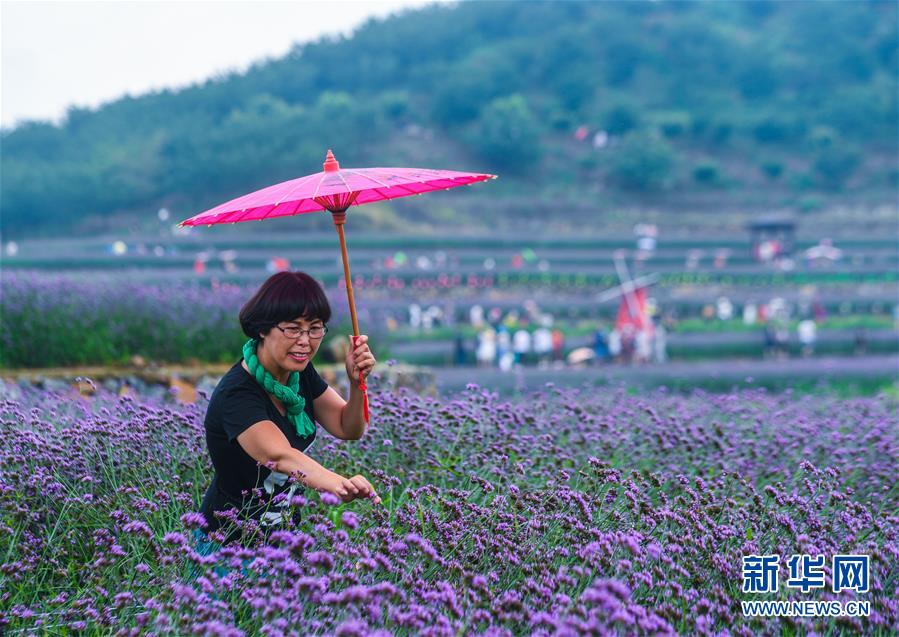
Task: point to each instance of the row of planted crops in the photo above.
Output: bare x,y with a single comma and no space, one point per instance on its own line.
57,321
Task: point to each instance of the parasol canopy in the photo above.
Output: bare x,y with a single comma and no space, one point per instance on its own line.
334,189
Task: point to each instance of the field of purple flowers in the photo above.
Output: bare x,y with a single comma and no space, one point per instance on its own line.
61,320
561,513
55,321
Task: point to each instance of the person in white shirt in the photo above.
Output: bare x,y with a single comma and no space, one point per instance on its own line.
642,346
486,353
503,342
660,344
543,345
614,345
808,334
521,345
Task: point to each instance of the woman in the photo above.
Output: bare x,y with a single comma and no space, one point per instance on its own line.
262,413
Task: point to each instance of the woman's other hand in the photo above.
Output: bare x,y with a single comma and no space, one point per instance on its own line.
365,490
359,358
349,489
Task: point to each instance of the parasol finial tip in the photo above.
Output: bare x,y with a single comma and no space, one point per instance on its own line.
331,164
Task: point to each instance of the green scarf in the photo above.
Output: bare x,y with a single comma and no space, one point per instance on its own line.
288,394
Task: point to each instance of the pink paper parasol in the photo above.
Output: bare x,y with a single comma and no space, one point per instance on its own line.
335,189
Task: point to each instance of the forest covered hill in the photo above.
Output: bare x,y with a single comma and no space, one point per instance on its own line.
579,106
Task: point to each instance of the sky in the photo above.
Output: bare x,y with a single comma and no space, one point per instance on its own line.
62,53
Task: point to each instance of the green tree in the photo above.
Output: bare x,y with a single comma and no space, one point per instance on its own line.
707,172
673,124
621,119
772,168
757,80
507,134
775,129
458,99
835,164
643,162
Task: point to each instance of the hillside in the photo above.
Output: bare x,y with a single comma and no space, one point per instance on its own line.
580,107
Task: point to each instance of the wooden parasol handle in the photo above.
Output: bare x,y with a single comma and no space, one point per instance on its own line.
339,220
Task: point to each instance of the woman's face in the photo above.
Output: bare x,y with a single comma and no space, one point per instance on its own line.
289,344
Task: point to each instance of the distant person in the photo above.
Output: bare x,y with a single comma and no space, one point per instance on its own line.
807,332
543,344
506,361
503,342
628,344
476,316
459,354
819,312
860,345
600,346
415,316
750,314
782,340
768,349
615,346
642,346
660,344
724,309
558,338
448,315
486,352
521,346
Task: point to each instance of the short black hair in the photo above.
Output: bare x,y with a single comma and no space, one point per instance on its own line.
284,297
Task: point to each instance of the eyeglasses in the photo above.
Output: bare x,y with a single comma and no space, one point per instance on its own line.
295,333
